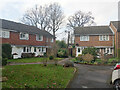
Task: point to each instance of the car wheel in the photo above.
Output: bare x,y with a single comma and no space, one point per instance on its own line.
117,85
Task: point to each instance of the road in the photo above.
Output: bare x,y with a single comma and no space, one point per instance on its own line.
89,76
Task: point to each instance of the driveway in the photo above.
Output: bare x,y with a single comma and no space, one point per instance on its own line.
89,76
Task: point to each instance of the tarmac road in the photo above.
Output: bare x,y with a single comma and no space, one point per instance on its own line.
89,76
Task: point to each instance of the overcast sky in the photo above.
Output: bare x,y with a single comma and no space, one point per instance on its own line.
104,11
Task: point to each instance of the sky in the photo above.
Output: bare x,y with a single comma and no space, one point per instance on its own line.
104,11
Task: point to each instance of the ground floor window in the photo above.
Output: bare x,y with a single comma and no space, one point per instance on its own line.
27,49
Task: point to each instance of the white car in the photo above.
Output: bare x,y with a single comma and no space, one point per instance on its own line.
116,76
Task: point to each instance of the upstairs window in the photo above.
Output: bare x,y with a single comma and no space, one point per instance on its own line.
39,37
84,38
52,40
4,34
46,39
24,36
104,38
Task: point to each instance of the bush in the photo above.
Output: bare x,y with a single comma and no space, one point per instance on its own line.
90,50
119,53
68,64
51,57
6,51
62,53
3,62
88,57
27,55
79,57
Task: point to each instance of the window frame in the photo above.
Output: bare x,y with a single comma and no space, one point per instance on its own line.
6,34
26,36
37,36
84,38
103,37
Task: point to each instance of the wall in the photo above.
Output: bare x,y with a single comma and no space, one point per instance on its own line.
94,41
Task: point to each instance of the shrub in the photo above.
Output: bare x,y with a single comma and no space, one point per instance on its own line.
119,53
88,57
79,57
6,51
90,50
68,64
4,61
51,57
27,55
62,53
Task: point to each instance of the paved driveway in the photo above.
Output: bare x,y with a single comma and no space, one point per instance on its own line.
91,77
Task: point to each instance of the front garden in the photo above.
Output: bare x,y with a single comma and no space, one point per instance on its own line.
36,76
89,56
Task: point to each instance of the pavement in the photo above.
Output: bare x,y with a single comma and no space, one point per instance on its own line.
91,76
61,62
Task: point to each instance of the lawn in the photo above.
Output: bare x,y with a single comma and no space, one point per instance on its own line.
31,60
36,76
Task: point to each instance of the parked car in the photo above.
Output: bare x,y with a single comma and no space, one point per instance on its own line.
116,76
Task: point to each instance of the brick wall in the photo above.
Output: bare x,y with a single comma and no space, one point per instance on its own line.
116,38
14,39
94,41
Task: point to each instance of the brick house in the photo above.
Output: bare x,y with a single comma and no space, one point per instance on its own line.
115,27
100,37
24,38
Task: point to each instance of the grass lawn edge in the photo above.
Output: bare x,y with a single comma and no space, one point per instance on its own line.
75,73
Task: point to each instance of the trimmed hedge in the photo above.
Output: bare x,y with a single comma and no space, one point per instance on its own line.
27,55
6,51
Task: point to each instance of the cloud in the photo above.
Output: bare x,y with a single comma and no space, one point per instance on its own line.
104,11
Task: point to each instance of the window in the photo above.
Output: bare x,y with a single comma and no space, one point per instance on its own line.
52,40
84,38
27,49
104,38
4,34
78,49
24,49
46,39
34,49
39,38
24,36
40,49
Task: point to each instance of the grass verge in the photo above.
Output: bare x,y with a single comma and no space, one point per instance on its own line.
36,76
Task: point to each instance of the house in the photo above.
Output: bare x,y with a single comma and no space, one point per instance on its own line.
100,37
24,38
115,27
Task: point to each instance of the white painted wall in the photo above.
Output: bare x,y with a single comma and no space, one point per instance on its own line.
19,51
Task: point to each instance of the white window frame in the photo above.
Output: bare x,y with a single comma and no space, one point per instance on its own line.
52,40
103,37
4,34
26,36
46,39
38,39
29,49
84,38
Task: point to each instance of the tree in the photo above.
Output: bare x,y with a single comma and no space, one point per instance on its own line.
61,44
48,17
80,19
56,17
37,16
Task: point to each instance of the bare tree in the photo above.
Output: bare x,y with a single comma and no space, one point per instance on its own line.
80,19
48,17
37,16
56,17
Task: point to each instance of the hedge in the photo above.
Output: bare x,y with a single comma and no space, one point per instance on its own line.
6,51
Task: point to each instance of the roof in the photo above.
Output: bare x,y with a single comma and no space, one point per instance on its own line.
19,27
93,30
116,24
